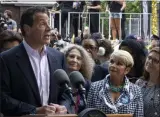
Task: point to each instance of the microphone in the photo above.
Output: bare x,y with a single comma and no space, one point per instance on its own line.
63,81
78,82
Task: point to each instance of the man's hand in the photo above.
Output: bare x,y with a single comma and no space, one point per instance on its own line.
59,109
49,110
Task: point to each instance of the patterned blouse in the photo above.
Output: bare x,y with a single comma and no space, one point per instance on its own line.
151,98
129,102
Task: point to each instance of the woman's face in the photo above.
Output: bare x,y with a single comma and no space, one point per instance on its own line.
91,47
117,68
152,64
154,43
74,60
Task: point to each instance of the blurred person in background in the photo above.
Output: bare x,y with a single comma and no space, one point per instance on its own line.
71,6
150,84
86,33
9,39
104,52
155,41
11,24
96,36
54,38
94,9
139,40
92,47
116,7
115,94
78,59
78,39
139,56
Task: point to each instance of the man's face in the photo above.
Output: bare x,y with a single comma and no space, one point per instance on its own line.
40,32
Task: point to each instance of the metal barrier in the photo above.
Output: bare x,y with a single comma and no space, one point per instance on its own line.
133,23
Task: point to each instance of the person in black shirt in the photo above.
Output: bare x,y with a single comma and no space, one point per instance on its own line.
71,6
94,18
116,7
76,18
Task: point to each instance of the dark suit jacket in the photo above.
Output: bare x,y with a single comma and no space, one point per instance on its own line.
20,94
99,73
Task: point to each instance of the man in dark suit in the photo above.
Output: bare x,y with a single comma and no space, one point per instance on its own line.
28,85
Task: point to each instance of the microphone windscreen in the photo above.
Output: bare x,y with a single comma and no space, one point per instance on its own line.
61,77
76,78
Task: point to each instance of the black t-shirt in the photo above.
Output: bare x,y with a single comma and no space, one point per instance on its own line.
67,6
114,6
95,3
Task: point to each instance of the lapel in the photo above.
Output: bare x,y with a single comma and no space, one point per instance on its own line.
53,65
25,66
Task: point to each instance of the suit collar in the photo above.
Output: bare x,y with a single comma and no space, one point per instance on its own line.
25,66
53,65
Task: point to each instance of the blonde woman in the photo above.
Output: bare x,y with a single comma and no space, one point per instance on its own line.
115,94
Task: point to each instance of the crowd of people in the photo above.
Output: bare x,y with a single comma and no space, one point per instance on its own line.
117,81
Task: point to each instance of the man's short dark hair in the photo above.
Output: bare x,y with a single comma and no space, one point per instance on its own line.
28,16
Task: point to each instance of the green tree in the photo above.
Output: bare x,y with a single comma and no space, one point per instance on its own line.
133,7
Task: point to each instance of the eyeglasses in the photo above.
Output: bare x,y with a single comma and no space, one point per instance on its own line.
154,60
90,47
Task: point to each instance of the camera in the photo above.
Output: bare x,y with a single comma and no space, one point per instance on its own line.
3,23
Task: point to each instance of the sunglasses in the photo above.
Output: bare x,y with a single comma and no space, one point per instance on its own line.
90,47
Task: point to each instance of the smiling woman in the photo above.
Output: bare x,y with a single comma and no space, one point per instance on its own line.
78,59
151,84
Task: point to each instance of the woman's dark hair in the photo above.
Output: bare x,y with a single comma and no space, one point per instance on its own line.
9,36
146,74
28,16
107,46
138,54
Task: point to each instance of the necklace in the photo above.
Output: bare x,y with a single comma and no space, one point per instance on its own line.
116,89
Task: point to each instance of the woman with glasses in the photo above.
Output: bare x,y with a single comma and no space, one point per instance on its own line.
151,84
92,47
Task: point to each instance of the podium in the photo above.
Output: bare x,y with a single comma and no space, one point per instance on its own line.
74,115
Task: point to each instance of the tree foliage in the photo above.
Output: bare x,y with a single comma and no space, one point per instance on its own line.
131,6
